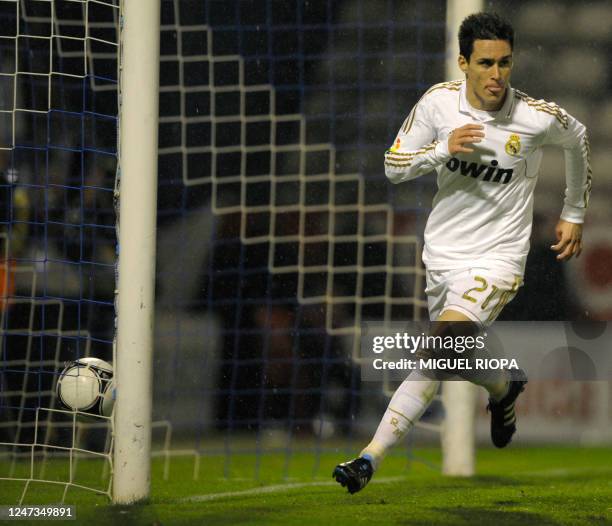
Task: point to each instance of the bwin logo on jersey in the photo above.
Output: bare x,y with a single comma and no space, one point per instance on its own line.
491,172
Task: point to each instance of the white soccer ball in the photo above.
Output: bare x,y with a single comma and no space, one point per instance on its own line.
86,385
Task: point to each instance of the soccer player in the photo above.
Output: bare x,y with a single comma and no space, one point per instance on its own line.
484,140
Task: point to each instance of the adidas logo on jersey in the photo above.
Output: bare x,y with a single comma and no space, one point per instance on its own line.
491,171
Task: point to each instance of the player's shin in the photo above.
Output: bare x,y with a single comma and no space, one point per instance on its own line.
495,381
405,408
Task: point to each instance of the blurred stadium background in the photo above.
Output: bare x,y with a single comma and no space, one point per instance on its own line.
277,231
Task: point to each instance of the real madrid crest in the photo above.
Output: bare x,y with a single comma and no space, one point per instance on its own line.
513,146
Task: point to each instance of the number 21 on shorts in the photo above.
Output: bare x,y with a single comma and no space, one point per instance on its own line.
503,295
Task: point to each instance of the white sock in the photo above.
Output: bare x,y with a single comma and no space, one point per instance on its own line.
405,408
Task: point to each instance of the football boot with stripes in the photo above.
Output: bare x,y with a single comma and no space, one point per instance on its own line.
503,416
354,474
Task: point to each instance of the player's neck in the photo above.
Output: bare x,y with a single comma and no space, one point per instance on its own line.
479,103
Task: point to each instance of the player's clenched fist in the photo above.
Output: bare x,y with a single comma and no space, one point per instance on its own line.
467,134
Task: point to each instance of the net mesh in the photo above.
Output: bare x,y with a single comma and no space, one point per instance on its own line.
278,232
58,79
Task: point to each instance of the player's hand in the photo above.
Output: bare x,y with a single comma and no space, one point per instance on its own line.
569,240
467,134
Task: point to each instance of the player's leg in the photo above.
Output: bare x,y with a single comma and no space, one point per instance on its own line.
405,408
481,295
407,405
495,382
448,303
412,397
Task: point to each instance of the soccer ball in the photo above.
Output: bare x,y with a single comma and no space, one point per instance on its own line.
86,385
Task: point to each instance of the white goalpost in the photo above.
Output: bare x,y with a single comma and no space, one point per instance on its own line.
458,397
139,94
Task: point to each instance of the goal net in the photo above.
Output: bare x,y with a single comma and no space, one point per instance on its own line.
58,157
278,232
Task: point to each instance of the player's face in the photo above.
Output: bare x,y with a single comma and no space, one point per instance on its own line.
487,73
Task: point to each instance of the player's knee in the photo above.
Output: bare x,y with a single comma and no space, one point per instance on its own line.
450,315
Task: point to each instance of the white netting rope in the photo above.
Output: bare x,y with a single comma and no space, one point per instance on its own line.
313,193
78,42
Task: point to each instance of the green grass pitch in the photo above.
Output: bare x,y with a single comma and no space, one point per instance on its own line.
518,486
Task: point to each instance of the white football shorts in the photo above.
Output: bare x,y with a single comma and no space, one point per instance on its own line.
479,293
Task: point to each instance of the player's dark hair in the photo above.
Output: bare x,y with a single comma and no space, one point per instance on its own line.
483,26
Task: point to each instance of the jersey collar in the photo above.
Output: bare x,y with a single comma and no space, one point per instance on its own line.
504,112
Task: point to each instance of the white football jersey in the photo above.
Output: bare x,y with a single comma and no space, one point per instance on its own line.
482,212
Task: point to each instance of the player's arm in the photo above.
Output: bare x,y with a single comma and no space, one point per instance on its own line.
417,150
572,136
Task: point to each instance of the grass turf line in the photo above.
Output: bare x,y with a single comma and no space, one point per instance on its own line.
527,486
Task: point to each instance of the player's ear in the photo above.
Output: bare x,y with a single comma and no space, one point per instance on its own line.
462,63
